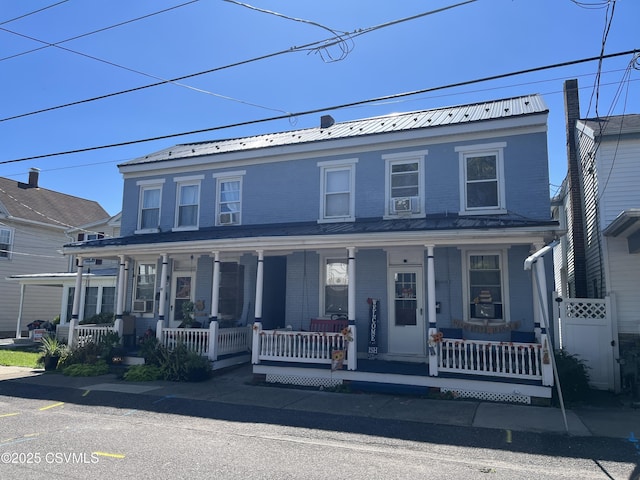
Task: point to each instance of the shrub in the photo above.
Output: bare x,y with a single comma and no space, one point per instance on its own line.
86,370
87,353
151,351
182,365
574,376
143,373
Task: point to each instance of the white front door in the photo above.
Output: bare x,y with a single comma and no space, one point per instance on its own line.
406,312
182,291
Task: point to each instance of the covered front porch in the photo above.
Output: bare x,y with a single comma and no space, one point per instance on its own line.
419,282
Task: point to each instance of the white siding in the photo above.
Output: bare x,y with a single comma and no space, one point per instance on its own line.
619,176
35,251
625,283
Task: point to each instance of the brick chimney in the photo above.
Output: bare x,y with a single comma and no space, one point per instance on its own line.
572,115
34,173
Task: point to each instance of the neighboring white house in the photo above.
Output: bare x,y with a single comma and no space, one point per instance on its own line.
34,225
607,152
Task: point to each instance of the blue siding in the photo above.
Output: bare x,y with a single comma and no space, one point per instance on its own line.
290,191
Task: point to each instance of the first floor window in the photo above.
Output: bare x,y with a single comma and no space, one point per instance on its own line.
485,287
5,243
336,286
145,287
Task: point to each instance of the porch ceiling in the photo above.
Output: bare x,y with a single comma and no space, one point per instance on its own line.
365,233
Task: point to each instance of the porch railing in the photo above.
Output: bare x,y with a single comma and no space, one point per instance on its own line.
228,341
305,347
80,334
195,339
497,359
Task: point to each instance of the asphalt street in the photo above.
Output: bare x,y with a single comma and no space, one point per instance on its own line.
159,434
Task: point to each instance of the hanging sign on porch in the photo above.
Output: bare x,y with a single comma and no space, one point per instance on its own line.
373,327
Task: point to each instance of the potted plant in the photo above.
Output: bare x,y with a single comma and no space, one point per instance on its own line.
50,350
188,313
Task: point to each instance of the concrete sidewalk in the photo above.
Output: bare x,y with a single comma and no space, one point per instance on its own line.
236,386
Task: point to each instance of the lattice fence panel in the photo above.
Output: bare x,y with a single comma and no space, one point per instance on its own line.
303,381
585,309
490,396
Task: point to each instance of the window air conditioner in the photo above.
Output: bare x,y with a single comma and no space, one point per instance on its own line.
226,218
402,205
142,306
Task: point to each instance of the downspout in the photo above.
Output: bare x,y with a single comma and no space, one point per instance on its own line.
537,273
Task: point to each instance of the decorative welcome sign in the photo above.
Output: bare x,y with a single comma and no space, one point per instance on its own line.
374,305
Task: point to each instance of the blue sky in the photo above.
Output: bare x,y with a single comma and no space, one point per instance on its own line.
471,41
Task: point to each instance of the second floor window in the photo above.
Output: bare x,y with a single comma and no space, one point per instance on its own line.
404,184
150,207
188,202
482,178
229,201
5,243
337,190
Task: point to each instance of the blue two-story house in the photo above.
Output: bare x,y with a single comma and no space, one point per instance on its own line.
388,250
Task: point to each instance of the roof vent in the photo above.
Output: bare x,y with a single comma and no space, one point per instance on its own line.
326,121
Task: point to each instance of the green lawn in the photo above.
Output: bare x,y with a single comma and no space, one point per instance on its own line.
16,358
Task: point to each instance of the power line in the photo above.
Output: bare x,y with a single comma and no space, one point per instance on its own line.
113,64
92,32
324,109
320,44
33,12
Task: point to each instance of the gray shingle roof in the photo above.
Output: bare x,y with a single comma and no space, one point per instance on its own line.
614,125
46,206
424,119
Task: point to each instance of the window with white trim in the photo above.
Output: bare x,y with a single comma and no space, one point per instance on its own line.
335,286
187,202
229,201
144,288
150,200
404,185
482,178
337,185
6,243
485,287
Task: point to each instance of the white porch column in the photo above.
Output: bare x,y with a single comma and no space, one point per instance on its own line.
162,302
352,353
537,307
215,289
19,325
212,354
431,310
259,286
120,289
77,293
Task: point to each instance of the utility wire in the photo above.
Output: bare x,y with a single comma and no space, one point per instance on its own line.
32,13
324,109
92,32
309,46
97,59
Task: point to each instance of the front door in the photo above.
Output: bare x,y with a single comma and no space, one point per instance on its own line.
406,312
182,291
